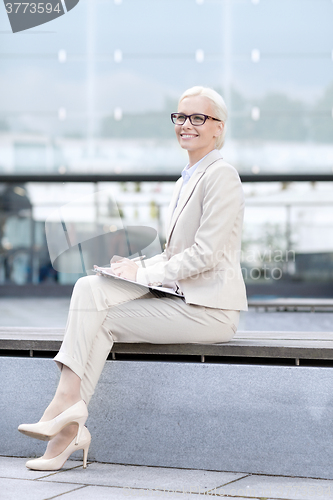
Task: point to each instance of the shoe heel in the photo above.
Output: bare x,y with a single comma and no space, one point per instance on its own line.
85,455
81,421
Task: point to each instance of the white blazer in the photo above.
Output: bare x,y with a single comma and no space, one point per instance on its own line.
203,243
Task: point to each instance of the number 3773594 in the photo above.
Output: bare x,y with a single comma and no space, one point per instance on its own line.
32,8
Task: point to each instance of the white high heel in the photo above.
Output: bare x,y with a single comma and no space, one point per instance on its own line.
57,462
76,414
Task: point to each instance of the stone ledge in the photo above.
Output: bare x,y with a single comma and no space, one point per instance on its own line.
272,420
293,304
249,344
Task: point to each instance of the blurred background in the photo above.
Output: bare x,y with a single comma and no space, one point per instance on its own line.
85,115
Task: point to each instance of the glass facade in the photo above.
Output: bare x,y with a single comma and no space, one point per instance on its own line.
287,229
92,92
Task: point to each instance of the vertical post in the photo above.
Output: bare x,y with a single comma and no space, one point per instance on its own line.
288,234
97,206
91,129
159,222
31,274
226,50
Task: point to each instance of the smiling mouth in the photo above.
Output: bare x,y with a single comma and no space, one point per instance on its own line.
188,136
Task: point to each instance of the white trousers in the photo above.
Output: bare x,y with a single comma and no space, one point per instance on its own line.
103,311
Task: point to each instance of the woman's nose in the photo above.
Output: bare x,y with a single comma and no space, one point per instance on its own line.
187,123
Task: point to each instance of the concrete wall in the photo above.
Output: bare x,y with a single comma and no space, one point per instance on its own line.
240,418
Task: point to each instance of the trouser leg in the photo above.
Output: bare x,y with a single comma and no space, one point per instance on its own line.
169,320
98,354
88,341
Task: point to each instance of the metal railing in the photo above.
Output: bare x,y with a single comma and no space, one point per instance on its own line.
154,177
32,255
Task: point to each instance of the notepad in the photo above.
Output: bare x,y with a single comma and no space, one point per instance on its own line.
168,290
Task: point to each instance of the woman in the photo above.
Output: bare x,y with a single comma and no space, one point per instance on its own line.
201,259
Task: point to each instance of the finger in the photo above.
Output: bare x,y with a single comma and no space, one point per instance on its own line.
116,258
118,265
97,273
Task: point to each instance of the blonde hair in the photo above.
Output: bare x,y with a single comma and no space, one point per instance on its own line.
219,107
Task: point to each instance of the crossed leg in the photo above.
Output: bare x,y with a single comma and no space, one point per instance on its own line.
86,345
103,311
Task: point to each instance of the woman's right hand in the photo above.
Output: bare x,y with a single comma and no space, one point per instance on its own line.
108,270
116,258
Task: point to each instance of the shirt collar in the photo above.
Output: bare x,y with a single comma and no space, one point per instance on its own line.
188,172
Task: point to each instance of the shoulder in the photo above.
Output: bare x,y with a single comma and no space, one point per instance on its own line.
221,165
220,169
222,180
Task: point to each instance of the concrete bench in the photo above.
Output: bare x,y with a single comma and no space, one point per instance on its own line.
261,403
295,346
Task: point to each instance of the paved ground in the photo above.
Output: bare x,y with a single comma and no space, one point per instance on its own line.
53,312
112,481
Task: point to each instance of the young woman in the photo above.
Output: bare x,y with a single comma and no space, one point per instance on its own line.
201,259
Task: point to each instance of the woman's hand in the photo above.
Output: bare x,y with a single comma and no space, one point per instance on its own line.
125,268
120,266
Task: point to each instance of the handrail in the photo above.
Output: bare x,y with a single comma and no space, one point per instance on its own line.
154,177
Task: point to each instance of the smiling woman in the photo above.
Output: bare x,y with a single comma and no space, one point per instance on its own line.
200,131
201,260
216,101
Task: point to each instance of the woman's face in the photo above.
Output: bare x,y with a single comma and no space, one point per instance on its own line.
198,140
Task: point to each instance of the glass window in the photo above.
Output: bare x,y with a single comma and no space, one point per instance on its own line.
92,90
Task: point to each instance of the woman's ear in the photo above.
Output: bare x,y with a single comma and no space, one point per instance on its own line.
220,127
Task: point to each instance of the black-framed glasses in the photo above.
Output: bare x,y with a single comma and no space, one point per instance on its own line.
195,119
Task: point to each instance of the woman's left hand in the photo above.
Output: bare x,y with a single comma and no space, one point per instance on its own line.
125,268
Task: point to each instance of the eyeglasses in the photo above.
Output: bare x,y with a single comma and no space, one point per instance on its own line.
195,119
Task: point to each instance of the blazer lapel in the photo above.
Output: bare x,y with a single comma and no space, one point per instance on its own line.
173,202
188,191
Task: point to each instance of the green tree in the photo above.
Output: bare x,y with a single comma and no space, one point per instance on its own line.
322,121
142,125
281,119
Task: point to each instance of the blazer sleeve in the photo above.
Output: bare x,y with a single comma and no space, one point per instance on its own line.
222,201
161,257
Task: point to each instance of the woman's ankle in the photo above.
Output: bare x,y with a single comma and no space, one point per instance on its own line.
58,405
66,398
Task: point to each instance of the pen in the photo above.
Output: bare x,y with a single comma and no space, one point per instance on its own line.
138,258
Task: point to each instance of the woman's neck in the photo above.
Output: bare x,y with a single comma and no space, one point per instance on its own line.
195,156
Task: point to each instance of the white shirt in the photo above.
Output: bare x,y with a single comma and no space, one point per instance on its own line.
187,174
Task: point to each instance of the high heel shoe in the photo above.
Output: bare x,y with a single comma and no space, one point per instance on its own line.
76,414
57,462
